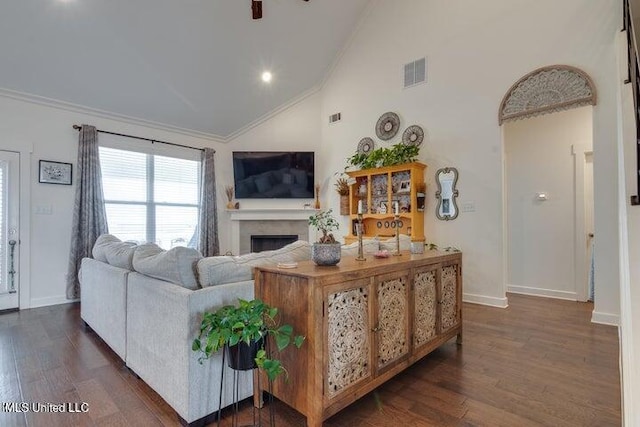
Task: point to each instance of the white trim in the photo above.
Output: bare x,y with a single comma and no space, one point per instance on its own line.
269,115
25,148
605,318
47,301
265,214
540,292
580,242
76,108
485,300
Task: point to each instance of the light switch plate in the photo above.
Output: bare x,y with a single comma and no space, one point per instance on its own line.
468,206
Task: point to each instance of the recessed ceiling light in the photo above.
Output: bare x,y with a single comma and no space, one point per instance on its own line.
266,77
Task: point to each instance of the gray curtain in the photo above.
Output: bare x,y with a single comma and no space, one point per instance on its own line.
89,215
208,244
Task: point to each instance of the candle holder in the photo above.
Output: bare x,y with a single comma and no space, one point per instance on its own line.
360,256
396,222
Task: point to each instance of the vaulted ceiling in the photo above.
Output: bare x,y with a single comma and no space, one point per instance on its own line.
193,64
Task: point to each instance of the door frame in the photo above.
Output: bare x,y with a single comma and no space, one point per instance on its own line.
25,150
580,152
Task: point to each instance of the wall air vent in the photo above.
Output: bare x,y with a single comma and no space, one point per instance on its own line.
335,118
415,72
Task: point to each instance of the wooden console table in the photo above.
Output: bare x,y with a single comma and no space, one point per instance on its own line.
364,321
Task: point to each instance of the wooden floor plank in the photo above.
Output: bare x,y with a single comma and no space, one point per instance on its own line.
539,362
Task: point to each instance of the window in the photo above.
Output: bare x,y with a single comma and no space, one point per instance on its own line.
151,197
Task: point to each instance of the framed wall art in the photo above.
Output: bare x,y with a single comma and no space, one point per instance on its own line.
55,172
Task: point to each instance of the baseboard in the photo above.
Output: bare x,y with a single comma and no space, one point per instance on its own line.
539,292
485,300
43,302
605,318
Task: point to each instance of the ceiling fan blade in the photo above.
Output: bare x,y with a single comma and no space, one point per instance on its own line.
256,9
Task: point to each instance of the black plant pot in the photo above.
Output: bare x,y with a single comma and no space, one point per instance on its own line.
241,356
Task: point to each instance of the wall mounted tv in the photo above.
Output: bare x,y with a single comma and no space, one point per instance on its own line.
273,174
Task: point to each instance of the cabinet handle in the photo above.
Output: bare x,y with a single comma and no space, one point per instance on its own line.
376,329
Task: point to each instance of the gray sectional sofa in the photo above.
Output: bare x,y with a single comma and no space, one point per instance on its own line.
147,304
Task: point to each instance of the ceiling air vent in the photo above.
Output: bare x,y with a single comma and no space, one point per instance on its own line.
415,72
335,118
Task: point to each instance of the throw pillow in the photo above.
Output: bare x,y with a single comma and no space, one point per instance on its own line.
228,269
99,247
390,244
177,265
369,246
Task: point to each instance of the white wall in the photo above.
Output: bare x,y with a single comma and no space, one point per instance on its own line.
476,51
539,158
629,231
295,128
47,132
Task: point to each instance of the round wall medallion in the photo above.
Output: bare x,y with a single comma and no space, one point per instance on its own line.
386,224
413,135
366,145
379,224
387,126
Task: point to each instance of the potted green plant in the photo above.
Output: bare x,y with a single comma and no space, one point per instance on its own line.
241,330
326,251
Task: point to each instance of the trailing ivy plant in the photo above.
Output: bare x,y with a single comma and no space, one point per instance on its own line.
397,154
249,321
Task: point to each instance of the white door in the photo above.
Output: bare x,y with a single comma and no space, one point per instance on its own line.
588,219
9,238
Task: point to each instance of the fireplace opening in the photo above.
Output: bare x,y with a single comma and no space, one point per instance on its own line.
267,242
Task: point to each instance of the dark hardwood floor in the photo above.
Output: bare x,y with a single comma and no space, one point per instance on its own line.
538,362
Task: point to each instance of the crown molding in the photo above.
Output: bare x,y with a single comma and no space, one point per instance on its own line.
76,108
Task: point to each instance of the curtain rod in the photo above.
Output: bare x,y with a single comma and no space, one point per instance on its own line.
78,127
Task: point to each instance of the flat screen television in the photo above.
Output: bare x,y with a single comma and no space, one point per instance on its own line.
273,174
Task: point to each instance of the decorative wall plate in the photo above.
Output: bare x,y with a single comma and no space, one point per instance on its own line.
366,145
387,126
413,135
379,224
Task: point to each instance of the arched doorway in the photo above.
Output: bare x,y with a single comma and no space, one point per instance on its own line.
547,182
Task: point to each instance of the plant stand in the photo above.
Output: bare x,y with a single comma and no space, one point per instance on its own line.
257,421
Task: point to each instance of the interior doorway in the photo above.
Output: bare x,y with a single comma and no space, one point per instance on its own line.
9,230
549,204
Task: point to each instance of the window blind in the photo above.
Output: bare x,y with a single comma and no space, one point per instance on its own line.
151,198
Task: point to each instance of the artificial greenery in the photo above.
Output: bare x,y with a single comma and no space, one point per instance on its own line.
325,222
398,154
248,322
342,186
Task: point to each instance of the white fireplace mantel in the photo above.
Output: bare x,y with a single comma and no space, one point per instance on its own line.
238,215
270,214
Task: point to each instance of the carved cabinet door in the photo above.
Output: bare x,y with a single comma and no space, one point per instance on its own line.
425,305
450,296
347,335
392,342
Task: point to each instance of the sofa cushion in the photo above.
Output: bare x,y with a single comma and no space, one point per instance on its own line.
390,244
177,265
111,250
228,269
369,246
99,247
